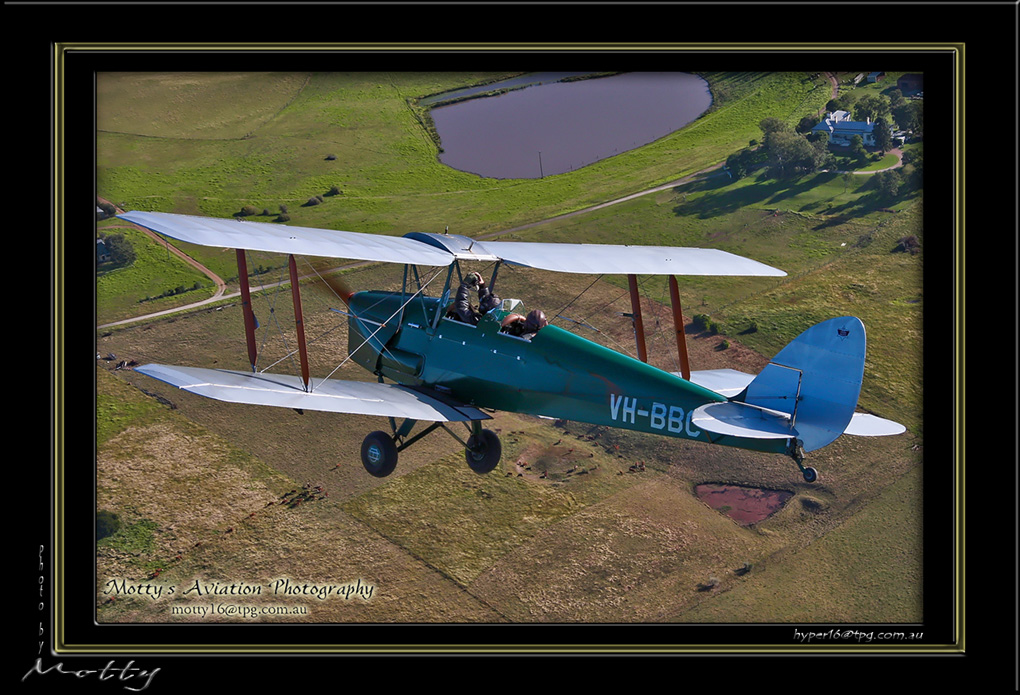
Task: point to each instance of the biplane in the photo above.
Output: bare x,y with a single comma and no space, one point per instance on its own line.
431,367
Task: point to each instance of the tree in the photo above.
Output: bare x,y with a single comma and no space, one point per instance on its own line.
806,124
883,138
791,155
772,125
912,172
873,106
909,116
844,102
857,148
120,249
824,159
888,183
741,163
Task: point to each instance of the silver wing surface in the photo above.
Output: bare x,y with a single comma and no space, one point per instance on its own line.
331,395
867,425
280,238
419,248
630,260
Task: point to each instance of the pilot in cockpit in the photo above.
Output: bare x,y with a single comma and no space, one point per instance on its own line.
487,300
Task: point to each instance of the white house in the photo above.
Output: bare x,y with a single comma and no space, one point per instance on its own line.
840,129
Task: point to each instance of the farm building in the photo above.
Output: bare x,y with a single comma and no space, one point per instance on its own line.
102,255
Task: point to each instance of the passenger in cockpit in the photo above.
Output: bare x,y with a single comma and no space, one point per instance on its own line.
515,324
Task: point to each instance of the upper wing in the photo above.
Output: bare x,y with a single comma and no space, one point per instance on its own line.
419,248
630,260
280,238
332,395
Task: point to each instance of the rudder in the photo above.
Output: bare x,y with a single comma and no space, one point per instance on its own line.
816,380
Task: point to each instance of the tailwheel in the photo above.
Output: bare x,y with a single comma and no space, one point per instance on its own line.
379,454
797,454
483,451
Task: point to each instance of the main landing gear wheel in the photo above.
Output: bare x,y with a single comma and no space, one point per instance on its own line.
810,475
483,451
379,454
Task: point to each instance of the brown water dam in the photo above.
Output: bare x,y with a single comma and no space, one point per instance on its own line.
745,505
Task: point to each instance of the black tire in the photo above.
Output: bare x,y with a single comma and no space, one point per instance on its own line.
379,454
483,451
810,475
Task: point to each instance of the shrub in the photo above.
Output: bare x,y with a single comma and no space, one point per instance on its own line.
335,190
122,253
910,244
282,218
107,524
248,210
313,201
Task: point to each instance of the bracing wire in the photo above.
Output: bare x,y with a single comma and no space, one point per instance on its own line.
382,325
568,304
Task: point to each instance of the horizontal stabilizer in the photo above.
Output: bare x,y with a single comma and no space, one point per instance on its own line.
331,395
741,420
864,425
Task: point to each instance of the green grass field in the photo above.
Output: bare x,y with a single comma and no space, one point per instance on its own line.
438,542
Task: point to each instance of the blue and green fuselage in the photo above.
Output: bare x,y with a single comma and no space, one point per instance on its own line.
556,374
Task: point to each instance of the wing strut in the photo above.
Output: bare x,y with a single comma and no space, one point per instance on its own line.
299,321
639,327
678,324
249,316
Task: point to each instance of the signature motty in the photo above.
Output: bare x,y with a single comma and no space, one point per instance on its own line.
127,673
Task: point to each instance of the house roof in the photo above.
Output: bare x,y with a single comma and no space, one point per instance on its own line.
853,127
839,123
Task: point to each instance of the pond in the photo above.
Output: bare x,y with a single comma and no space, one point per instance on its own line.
556,127
745,505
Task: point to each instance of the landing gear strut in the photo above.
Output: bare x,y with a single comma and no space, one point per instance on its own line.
797,454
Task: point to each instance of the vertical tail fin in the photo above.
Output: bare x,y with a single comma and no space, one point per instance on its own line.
816,380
